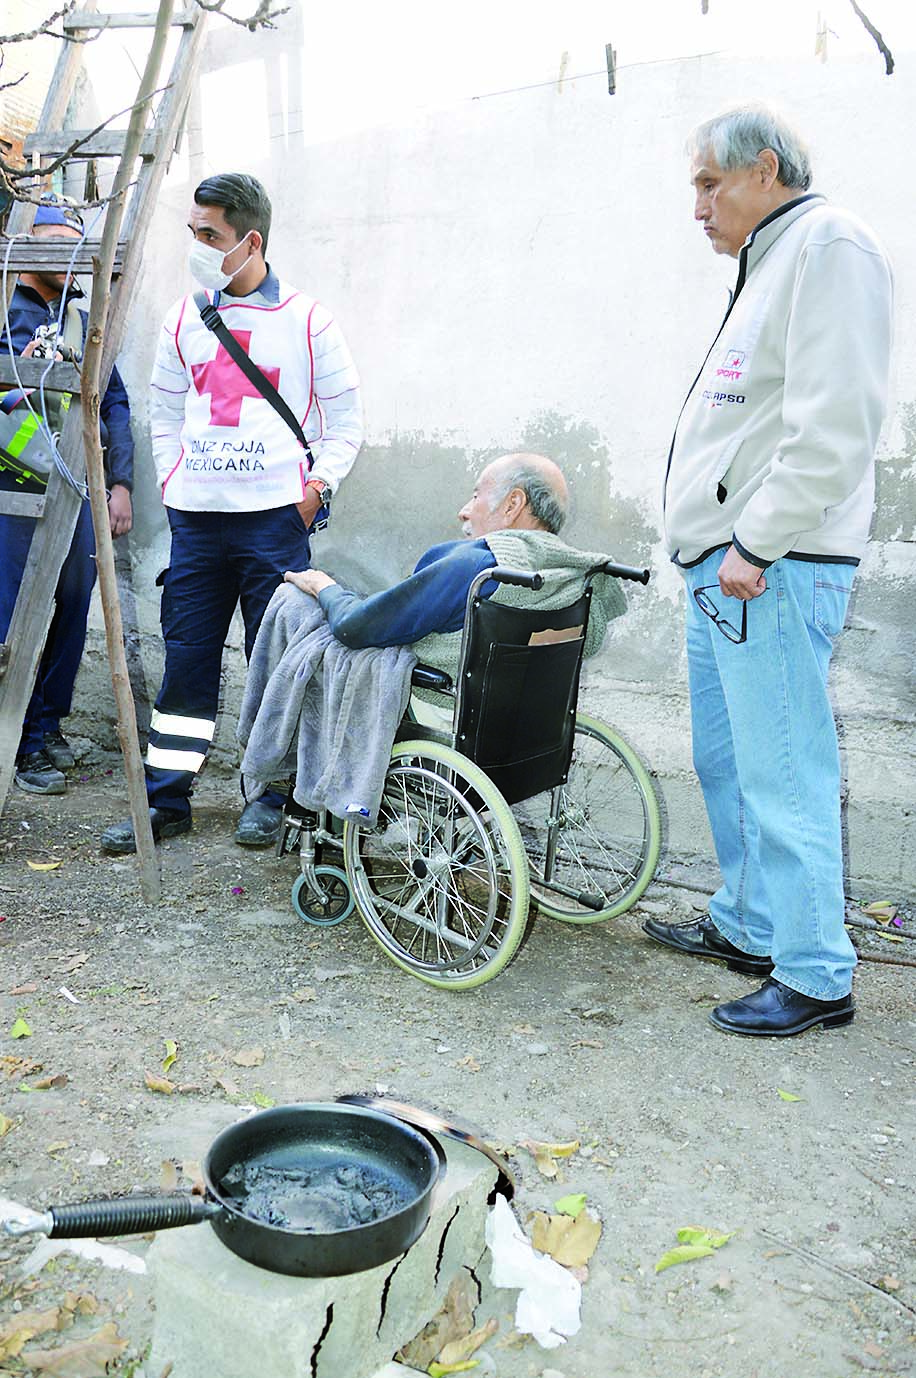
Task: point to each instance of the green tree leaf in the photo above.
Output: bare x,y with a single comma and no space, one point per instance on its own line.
698,1234
572,1205
684,1253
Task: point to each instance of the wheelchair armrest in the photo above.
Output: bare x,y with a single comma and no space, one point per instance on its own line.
425,677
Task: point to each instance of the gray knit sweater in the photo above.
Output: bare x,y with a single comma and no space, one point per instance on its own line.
563,568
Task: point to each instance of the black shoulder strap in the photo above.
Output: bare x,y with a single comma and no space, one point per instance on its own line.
212,320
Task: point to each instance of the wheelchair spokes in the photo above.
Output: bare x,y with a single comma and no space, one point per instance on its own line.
437,884
592,842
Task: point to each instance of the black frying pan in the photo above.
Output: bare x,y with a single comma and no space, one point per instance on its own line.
310,1190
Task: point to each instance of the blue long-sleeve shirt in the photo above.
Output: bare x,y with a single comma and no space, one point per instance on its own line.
27,311
432,599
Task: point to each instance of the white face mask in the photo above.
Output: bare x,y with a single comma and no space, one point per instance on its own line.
206,265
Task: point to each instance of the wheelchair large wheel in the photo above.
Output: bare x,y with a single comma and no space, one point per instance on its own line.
442,882
602,843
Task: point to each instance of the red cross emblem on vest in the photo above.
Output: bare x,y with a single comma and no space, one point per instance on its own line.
226,383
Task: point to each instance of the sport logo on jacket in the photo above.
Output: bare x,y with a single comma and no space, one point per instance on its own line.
732,365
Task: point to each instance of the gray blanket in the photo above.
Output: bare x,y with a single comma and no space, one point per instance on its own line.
314,709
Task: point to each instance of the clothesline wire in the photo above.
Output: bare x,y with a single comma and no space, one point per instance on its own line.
531,86
561,80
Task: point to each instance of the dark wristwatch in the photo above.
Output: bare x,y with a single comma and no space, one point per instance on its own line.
325,492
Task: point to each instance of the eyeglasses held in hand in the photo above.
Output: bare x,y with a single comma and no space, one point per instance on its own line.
730,632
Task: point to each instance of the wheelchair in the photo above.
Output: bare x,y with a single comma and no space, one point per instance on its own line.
520,802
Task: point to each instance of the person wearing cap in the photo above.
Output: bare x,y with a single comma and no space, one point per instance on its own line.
236,476
46,299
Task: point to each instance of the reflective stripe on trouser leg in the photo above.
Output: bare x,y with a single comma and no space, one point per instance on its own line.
177,742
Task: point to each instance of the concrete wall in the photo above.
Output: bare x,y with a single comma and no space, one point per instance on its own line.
524,272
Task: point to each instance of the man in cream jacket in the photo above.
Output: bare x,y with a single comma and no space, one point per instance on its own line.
768,500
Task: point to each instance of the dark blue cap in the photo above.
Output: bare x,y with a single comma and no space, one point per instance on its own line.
58,213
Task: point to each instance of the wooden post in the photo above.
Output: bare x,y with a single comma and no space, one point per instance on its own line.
95,471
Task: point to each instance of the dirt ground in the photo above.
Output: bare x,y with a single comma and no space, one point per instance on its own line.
593,1034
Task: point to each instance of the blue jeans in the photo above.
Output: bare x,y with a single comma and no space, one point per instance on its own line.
765,751
218,560
52,696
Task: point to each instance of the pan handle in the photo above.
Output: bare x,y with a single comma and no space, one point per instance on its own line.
120,1215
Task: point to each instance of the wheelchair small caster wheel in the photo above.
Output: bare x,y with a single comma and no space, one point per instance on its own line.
338,898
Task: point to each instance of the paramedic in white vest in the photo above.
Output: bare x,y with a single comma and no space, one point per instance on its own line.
768,501
235,480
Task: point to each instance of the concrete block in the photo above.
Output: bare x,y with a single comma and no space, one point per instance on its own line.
217,1314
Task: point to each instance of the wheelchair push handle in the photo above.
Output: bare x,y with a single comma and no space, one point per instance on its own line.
516,576
639,576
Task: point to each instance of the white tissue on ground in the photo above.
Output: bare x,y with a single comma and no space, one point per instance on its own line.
550,1297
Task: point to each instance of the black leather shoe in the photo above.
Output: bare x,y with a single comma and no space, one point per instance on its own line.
777,1011
119,838
37,774
259,825
59,750
702,939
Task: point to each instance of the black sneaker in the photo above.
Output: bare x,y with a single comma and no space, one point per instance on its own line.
59,750
38,774
119,837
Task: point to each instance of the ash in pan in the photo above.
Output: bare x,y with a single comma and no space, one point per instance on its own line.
314,1200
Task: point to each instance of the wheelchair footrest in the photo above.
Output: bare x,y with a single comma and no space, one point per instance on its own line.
582,897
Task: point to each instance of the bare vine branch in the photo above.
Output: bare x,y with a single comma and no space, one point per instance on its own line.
45,30
42,27
883,49
261,18
8,85
21,174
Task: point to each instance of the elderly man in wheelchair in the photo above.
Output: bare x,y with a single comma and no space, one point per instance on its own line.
497,795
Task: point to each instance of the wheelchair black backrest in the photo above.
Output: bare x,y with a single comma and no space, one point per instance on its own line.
517,697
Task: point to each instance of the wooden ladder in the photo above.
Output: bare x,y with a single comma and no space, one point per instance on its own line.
58,507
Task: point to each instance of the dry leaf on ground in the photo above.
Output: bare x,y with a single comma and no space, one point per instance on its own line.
18,1066
82,1359
50,1083
546,1155
75,962
161,1084
882,910
26,989
570,1242
453,1321
249,1057
457,1350
19,1329
6,1125
43,865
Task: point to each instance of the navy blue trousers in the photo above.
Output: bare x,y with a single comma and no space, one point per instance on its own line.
218,560
52,696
